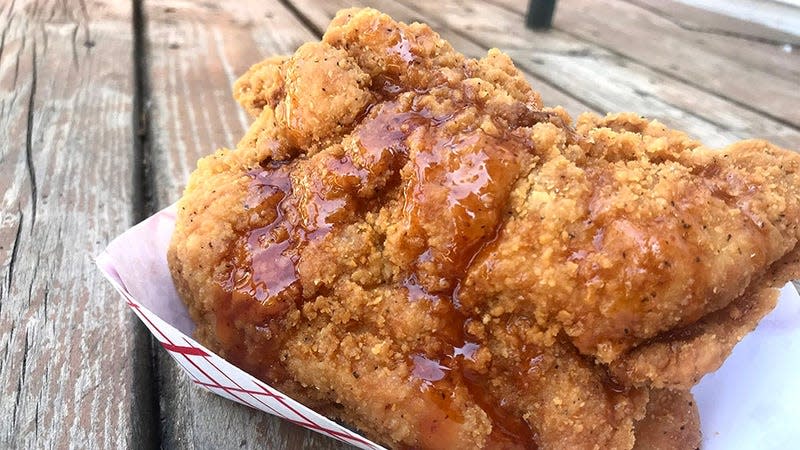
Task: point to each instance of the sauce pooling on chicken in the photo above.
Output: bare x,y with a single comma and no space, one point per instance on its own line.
451,202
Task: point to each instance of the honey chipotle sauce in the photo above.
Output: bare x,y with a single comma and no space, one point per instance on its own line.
455,195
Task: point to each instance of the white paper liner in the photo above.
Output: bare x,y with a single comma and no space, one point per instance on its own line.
752,402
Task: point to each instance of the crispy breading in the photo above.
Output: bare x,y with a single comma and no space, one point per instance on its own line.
406,239
672,420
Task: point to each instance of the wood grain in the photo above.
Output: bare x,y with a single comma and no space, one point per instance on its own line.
607,80
693,18
755,75
194,53
73,359
703,21
777,14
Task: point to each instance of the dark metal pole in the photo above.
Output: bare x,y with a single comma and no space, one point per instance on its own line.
540,14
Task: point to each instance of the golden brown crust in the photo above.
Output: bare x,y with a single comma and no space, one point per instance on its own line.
680,358
638,232
672,422
406,239
260,86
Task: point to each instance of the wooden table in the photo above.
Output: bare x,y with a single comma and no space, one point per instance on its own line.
106,105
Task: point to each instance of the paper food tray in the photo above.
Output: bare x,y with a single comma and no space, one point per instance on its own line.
752,402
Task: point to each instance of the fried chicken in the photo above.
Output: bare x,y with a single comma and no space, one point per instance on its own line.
407,240
672,421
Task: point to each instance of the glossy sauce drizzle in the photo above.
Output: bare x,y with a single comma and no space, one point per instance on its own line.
262,274
272,261
437,374
263,282
460,185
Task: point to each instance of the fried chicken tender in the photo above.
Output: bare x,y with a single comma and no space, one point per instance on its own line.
407,240
679,359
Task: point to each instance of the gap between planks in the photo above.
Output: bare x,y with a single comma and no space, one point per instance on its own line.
737,91
143,207
194,51
70,356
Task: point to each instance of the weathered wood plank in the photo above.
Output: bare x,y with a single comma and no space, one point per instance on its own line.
321,13
608,81
780,15
704,32
74,361
195,52
704,21
695,19
758,76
